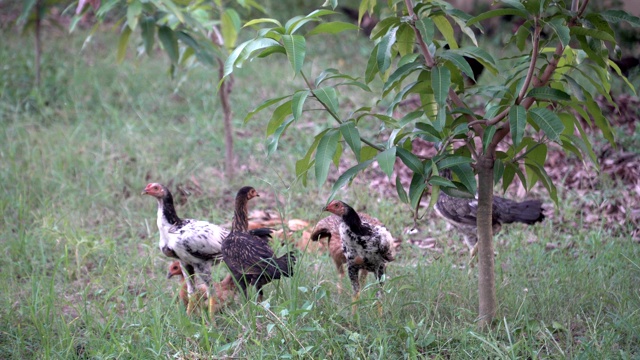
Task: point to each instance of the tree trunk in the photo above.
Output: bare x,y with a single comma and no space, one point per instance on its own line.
486,273
224,92
38,41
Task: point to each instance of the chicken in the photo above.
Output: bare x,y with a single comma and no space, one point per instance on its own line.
462,213
250,258
197,244
329,227
224,290
201,293
366,246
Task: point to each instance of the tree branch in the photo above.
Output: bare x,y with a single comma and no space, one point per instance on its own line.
334,115
532,66
424,50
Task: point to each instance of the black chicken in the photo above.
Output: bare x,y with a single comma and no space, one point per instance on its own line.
249,257
366,246
462,214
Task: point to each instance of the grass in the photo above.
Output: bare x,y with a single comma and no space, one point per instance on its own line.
82,276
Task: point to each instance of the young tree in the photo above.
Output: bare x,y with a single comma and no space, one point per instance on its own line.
201,32
544,82
33,12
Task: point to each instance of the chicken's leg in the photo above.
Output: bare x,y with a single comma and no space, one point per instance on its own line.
353,271
189,274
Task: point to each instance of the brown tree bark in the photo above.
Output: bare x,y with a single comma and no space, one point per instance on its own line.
486,276
224,92
38,41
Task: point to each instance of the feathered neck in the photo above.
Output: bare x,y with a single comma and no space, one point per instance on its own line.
353,221
240,221
168,210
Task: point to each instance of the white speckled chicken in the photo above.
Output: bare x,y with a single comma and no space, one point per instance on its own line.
197,244
366,246
329,227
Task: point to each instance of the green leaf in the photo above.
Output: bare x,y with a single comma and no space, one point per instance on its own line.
262,20
337,155
333,27
234,56
616,68
401,73
297,103
368,153
616,16
426,28
479,54
440,181
508,175
559,26
303,165
548,121
229,27
383,56
547,93
466,176
546,180
265,104
487,137
591,53
148,29
440,83
328,97
169,42
601,122
600,23
453,160
372,65
123,41
27,6
495,13
352,137
278,117
324,154
416,189
440,119
386,160
296,46
410,160
446,30
347,176
459,62
517,123
594,33
272,144
402,194
383,27
172,8
498,170
521,37
134,9
405,40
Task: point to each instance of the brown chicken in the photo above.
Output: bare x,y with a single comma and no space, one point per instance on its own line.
250,258
225,289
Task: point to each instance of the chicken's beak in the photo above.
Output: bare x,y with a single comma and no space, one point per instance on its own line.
169,275
144,192
324,209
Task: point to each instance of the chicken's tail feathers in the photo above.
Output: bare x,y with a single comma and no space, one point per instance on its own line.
286,263
263,233
527,212
320,233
